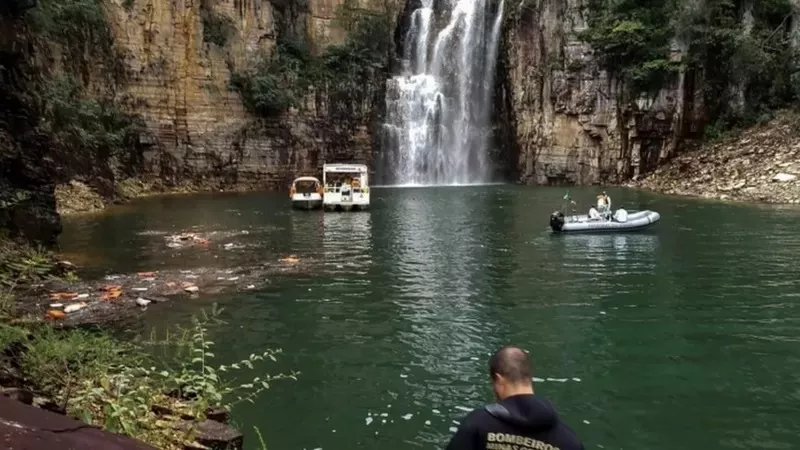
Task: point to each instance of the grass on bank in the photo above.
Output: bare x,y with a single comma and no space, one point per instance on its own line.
120,385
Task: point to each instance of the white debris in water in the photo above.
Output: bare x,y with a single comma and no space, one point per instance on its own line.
56,305
369,420
407,416
576,379
82,296
464,408
474,358
112,277
453,429
251,286
192,277
220,278
586,422
427,422
455,422
233,278
140,289
402,375
603,313
334,431
560,380
383,421
436,411
151,279
538,380
384,414
388,406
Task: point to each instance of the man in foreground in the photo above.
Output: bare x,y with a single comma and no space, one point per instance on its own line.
520,420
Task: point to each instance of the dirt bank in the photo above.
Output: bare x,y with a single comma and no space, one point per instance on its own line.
761,164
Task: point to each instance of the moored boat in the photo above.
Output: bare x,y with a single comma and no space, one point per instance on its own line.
346,187
306,193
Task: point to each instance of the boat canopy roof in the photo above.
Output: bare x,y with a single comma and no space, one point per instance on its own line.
345,168
299,179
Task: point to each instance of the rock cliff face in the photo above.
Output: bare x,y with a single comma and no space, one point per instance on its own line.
568,121
198,130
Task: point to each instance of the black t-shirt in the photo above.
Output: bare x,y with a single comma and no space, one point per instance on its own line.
521,422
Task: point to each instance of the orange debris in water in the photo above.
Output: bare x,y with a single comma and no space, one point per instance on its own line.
291,259
112,291
111,287
146,274
55,314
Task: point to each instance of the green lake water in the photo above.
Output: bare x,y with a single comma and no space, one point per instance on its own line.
684,336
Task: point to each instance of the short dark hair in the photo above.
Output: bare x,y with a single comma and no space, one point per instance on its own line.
512,363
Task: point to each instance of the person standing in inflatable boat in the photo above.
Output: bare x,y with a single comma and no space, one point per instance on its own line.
604,205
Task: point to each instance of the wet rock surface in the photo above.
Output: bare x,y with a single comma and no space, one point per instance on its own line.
27,427
761,164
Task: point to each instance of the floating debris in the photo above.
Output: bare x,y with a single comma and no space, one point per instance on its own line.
82,296
56,314
56,305
369,420
142,301
74,307
63,295
407,416
291,259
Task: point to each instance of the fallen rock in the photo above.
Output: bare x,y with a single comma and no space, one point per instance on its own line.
217,435
728,169
784,177
19,394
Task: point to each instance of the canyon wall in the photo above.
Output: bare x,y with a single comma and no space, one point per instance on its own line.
568,121
198,131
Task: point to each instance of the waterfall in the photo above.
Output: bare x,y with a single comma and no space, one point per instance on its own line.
438,110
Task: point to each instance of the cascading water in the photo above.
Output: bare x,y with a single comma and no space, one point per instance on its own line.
438,110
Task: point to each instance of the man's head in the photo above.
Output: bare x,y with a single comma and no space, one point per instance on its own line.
510,371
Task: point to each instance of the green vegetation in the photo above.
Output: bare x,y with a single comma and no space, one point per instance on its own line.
141,388
217,27
731,57
75,120
343,73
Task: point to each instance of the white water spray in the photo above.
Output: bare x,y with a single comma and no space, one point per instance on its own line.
439,109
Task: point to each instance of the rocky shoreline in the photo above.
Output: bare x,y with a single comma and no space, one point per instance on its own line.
758,165
77,197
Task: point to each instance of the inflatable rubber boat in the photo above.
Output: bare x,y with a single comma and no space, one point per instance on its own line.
619,222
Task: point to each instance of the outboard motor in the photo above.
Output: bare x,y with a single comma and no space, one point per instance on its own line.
556,220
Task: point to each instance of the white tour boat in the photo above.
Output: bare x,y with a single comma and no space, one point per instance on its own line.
306,193
346,187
